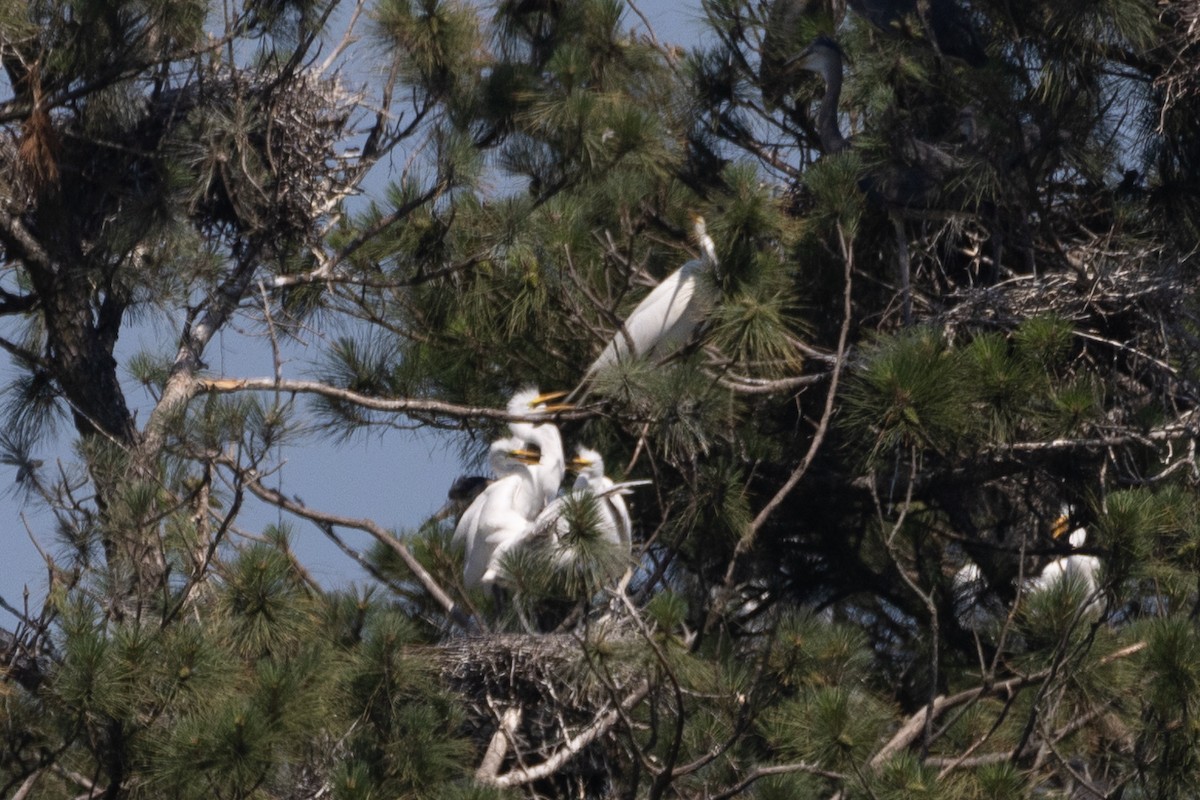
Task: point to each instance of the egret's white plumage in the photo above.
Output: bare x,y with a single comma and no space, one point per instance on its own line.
499,518
607,517
548,473
666,319
1077,567
613,523
1080,567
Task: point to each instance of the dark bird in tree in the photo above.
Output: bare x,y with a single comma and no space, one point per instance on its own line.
911,183
824,57
462,493
947,24
790,26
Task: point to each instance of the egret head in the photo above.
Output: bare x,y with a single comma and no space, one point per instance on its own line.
1062,524
707,249
506,455
587,462
529,400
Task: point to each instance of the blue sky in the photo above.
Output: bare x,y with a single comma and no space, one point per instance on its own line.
397,479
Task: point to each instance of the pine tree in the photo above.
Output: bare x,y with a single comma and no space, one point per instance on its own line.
941,340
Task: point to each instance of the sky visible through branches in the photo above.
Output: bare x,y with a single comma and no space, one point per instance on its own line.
397,479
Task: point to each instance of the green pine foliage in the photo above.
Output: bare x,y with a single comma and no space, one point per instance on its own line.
925,362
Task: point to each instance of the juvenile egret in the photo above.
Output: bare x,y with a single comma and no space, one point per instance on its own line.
549,471
613,523
1077,566
499,517
670,314
1083,569
594,502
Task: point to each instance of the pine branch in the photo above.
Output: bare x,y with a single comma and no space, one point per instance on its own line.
497,748
747,541
916,722
775,769
181,384
326,271
253,483
397,405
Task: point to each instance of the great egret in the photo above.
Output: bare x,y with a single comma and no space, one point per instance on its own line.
667,317
1077,566
594,503
613,523
548,473
499,517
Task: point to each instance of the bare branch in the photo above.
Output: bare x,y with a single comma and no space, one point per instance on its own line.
571,747
746,542
775,769
397,405
382,536
915,723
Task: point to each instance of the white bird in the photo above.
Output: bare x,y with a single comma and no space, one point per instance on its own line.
1082,568
1077,567
498,518
665,320
549,471
594,502
613,523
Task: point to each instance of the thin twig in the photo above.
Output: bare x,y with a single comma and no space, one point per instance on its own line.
461,618
746,542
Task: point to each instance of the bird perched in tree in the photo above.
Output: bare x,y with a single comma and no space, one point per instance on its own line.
500,517
593,511
544,436
950,25
667,317
462,493
1077,567
910,183
824,57
612,523
790,26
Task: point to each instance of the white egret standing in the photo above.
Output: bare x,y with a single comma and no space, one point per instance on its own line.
498,518
670,314
548,473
